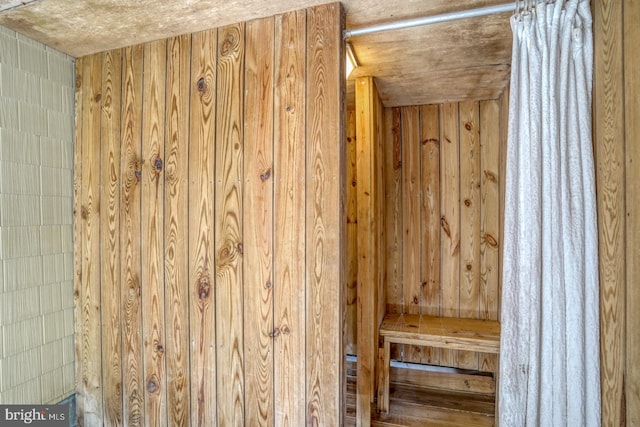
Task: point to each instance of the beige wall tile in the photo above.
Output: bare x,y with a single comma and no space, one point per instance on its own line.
31,57
20,242
32,118
19,305
8,49
9,113
22,336
19,147
36,237
22,272
20,368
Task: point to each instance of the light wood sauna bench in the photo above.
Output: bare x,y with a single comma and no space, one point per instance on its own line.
443,332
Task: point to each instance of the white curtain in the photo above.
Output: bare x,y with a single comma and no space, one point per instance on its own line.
549,361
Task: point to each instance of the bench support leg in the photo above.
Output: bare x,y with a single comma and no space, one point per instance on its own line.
383,387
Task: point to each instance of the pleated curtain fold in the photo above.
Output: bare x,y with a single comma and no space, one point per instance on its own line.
549,363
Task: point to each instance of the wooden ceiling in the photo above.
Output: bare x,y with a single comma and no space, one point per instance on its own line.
462,60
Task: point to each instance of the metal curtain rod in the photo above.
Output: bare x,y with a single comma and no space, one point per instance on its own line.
445,17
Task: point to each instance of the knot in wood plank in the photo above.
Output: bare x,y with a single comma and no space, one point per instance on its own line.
152,386
201,85
445,226
491,241
157,164
204,287
266,175
434,141
230,42
491,176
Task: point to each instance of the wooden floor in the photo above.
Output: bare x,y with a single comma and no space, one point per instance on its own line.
417,403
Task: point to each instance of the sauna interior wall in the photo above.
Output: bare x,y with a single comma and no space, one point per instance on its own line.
209,224
442,170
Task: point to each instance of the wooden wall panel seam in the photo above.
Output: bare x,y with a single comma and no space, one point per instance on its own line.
153,238
89,340
257,217
201,221
430,208
130,262
176,254
228,220
290,218
325,359
470,204
367,289
608,113
631,33
450,217
110,238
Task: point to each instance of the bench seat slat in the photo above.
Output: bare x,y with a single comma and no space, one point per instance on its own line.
442,332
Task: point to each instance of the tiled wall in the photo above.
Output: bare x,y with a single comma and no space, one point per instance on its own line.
36,249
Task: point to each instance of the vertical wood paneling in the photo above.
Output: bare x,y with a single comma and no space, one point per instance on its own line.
89,384
176,228
77,224
209,286
632,155
379,230
110,239
469,219
325,216
430,217
393,216
351,273
450,218
610,156
411,195
366,255
490,215
130,214
228,225
457,230
202,299
290,219
258,222
152,241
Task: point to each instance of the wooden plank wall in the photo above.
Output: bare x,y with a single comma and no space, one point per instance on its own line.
369,235
210,227
442,186
632,176
616,114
